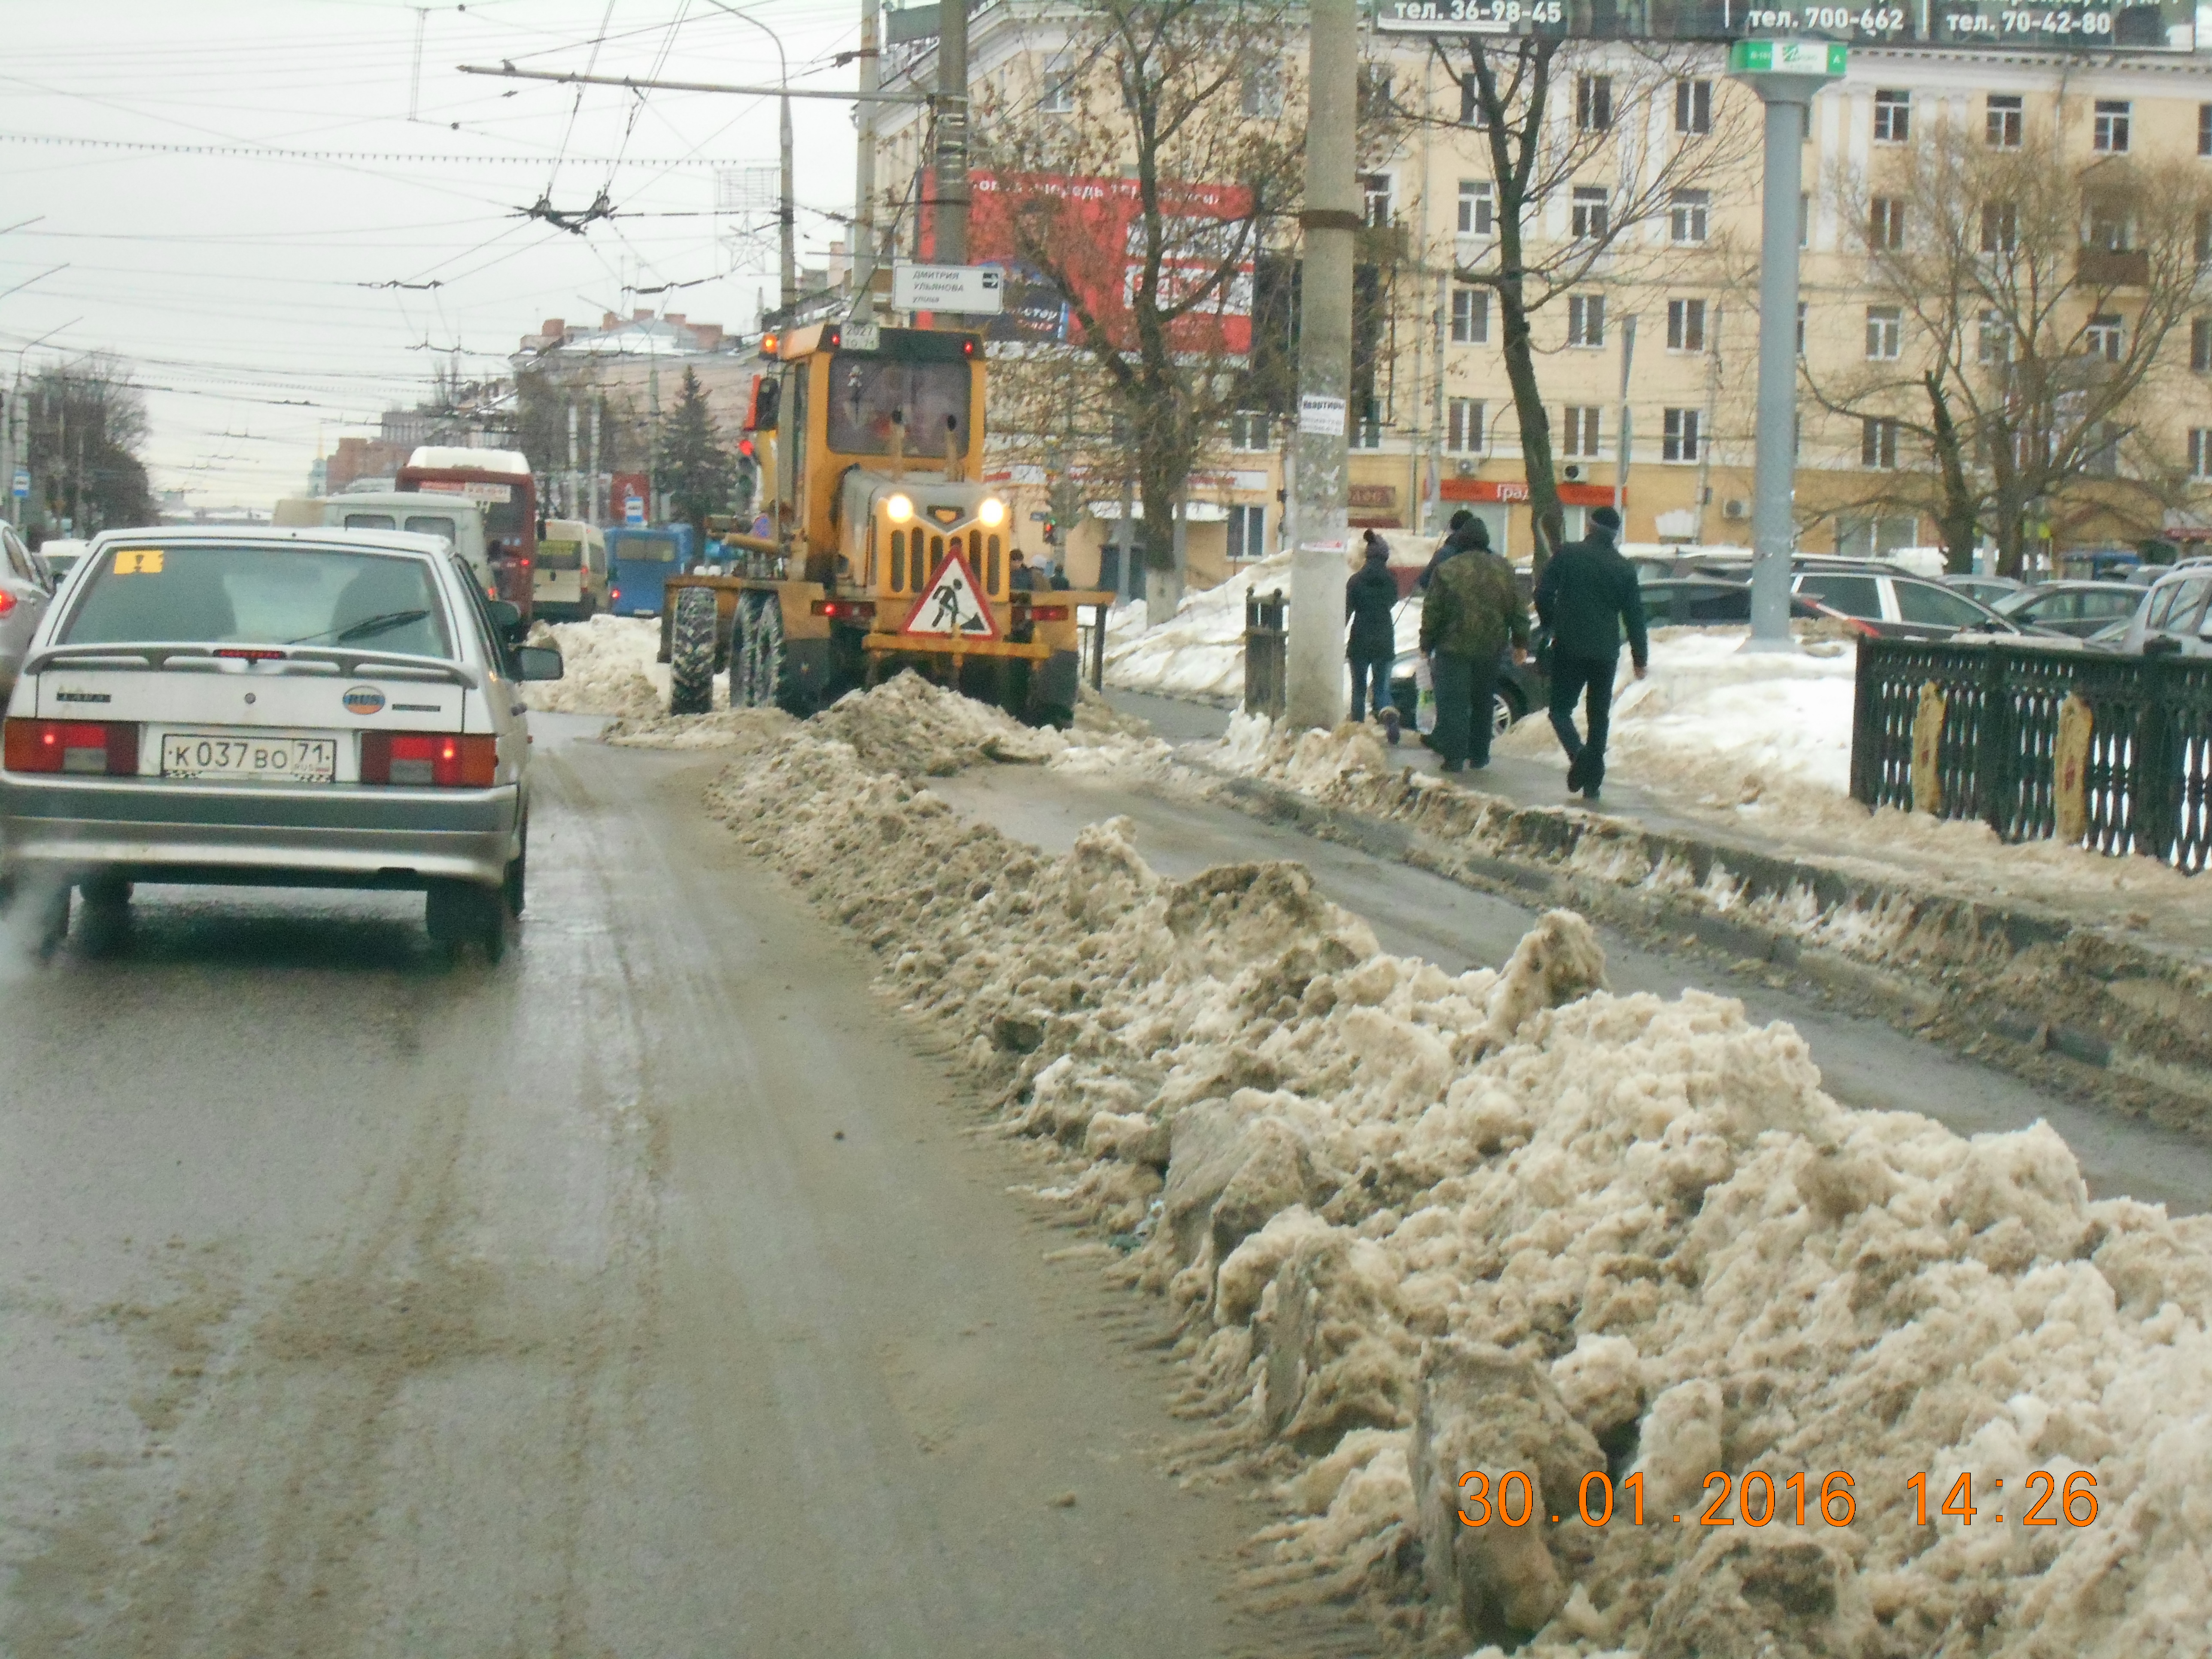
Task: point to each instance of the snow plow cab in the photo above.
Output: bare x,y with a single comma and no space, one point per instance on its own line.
884,550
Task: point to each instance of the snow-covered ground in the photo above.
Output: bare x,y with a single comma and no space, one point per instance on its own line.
1420,1228
608,668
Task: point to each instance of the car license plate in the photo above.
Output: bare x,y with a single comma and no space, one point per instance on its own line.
212,755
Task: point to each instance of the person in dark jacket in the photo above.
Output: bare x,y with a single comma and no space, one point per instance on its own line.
1587,597
1473,609
1370,604
1464,531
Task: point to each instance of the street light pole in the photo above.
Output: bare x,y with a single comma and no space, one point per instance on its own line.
864,170
950,217
1785,74
1320,530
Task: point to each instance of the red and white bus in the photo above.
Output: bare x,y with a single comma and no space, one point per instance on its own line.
501,480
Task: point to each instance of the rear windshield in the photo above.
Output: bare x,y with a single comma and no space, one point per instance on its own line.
259,596
560,555
645,552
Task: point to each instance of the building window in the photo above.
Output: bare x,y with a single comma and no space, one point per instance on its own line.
1591,212
1470,316
1892,117
1878,443
1885,224
1263,91
2204,129
1804,218
1694,106
2200,344
2001,120
1250,430
1678,437
1477,202
1686,325
1994,343
1801,328
1248,532
1594,103
2108,131
2109,229
1582,433
2205,238
1470,102
2200,452
1374,101
1057,99
1376,189
1999,226
1463,425
2105,337
1586,320
1367,429
1685,215
1885,339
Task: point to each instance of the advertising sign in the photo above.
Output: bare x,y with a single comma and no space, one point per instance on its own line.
2001,25
1094,226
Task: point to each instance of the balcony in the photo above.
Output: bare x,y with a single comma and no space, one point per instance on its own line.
2103,267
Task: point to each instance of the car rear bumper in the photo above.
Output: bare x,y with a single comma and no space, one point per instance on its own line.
338,835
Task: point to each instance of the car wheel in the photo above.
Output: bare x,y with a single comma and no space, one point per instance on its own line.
1504,709
459,913
691,652
107,914
513,887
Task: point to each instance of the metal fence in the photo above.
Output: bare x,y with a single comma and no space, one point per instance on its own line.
1265,655
2146,777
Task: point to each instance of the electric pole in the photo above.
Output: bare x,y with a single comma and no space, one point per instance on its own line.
951,218
1315,648
864,170
786,213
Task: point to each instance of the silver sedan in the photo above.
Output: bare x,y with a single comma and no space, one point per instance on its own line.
270,707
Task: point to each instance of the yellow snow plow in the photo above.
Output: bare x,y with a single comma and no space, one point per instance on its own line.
884,548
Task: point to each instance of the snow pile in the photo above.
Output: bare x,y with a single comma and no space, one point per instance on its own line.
1200,651
607,668
725,728
1714,721
1421,1226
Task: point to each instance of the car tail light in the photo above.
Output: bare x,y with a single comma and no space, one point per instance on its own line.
7,601
251,655
96,748
849,608
1048,613
413,759
613,593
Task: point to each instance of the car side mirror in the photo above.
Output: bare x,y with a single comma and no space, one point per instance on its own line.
538,662
506,618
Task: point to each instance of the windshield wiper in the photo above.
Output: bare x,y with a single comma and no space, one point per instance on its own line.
366,629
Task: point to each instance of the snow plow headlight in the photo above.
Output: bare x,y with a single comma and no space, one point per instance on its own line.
898,510
993,513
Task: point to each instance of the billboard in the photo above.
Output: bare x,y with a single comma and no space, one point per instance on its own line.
1098,224
2001,25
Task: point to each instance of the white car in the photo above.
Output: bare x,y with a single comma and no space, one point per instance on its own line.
261,705
2176,615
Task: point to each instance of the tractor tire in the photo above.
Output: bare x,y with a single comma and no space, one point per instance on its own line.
746,689
691,652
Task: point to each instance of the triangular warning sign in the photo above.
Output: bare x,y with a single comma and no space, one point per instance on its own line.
953,605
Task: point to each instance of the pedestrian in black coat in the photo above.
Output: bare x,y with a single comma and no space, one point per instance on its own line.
1371,604
1465,531
1587,597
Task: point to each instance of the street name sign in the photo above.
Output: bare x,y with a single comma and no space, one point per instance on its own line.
975,290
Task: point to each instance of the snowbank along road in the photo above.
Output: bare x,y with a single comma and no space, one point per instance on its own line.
641,1297
1611,1272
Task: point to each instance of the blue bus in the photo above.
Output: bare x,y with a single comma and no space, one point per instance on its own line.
640,563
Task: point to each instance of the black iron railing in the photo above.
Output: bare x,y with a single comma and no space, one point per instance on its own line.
2146,777
1266,684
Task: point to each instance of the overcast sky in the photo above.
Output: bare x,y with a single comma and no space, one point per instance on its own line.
239,287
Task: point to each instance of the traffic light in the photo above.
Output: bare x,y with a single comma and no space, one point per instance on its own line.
1051,530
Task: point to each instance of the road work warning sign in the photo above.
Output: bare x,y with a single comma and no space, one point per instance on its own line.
953,605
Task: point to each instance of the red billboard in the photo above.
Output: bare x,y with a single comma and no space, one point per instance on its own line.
1096,228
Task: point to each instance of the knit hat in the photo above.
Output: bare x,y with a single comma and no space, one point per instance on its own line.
1478,533
1606,519
1461,519
1377,547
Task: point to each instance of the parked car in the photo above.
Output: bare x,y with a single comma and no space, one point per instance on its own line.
1904,607
1521,689
26,591
2075,609
2172,615
1989,590
60,555
314,707
1711,601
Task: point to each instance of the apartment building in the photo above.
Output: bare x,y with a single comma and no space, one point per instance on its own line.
1437,429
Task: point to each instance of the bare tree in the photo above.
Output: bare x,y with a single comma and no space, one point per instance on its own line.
86,429
1629,135
2025,308
1139,182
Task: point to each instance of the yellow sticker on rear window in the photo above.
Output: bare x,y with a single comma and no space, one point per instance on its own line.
137,561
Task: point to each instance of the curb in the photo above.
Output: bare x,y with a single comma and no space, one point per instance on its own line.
2062,1002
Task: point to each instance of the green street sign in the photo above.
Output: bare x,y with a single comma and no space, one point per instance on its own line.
1827,58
